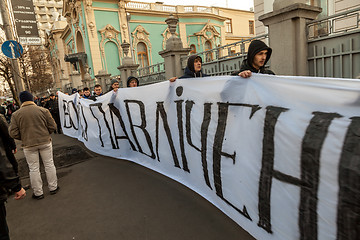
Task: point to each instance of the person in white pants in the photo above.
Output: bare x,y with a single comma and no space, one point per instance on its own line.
33,125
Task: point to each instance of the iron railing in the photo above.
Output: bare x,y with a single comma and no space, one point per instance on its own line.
344,22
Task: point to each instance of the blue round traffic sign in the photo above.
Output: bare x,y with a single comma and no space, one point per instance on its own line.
12,49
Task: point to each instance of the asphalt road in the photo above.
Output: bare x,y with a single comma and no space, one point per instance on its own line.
107,198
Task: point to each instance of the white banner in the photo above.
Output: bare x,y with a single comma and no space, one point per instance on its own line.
279,155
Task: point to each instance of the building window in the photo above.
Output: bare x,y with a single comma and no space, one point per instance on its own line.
192,49
251,27
143,59
228,26
208,54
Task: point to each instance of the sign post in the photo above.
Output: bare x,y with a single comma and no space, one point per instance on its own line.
25,21
12,49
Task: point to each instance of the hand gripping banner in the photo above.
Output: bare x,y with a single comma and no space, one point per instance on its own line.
279,155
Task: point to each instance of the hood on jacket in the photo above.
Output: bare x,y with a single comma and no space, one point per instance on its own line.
190,62
255,47
131,78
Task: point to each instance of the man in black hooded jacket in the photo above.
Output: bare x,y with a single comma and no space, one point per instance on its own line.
258,55
193,68
9,180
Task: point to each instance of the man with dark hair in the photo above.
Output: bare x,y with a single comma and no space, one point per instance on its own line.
53,106
9,179
258,55
33,125
98,90
87,93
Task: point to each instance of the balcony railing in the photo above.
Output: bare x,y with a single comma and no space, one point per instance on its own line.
170,8
336,24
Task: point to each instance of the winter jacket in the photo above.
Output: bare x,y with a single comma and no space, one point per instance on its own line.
255,47
32,125
8,168
189,71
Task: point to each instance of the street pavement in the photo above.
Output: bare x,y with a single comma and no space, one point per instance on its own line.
106,198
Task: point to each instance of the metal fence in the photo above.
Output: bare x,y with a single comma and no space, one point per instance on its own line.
218,61
226,59
334,45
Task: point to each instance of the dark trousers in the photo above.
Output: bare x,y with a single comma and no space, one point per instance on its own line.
4,230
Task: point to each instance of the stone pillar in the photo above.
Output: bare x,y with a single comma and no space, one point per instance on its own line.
287,35
174,51
128,64
75,79
102,76
87,79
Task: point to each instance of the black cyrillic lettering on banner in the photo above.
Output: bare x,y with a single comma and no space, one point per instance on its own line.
97,120
204,132
312,144
160,111
310,169
218,153
116,112
67,116
267,167
181,133
84,133
142,127
348,215
99,105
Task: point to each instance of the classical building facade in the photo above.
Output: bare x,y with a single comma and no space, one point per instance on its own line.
89,41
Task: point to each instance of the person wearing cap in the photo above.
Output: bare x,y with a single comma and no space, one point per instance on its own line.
114,86
258,55
33,125
193,68
132,82
74,90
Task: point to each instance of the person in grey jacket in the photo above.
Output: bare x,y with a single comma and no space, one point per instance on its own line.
9,179
33,125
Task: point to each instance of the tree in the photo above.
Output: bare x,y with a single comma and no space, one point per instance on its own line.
37,73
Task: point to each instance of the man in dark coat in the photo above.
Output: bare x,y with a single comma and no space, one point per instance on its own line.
258,55
53,106
193,68
9,179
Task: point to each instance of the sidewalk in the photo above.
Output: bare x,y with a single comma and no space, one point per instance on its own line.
106,198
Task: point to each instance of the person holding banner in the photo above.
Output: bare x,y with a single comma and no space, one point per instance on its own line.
98,90
193,68
33,125
114,85
258,55
132,82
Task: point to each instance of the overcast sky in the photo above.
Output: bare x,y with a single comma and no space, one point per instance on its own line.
237,4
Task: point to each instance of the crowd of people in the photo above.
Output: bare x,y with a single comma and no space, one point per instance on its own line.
38,117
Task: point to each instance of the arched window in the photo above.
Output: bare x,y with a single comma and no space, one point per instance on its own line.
192,49
209,54
143,59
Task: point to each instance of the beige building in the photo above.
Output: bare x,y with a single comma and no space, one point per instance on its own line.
330,7
46,12
240,24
